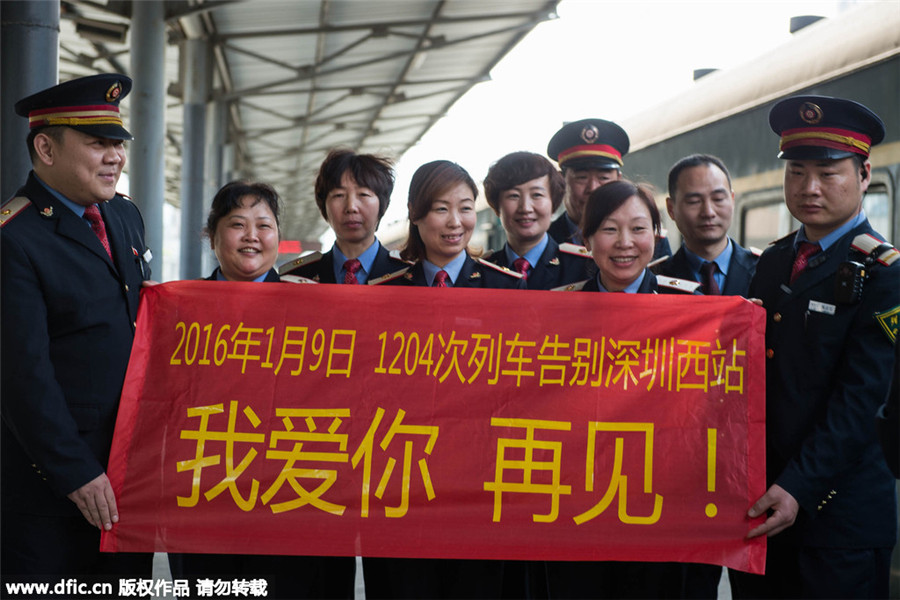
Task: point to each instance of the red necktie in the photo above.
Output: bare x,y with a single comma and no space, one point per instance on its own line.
351,267
708,274
92,214
804,253
520,265
440,279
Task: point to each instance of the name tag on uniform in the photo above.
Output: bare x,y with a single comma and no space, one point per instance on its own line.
821,307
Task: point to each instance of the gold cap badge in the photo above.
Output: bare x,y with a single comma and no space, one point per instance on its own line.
810,113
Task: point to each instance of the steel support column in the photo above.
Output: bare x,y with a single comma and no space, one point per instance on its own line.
29,53
196,61
146,155
216,122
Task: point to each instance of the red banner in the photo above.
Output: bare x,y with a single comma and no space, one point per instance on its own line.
462,423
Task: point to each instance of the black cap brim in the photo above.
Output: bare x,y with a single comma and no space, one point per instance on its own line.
108,131
590,162
815,153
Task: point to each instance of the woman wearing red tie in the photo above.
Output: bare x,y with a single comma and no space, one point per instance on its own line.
441,221
352,192
620,226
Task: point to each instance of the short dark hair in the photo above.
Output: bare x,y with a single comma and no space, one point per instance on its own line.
517,168
229,197
860,161
428,182
694,160
606,199
54,131
368,170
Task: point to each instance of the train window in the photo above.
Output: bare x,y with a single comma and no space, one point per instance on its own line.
764,223
877,205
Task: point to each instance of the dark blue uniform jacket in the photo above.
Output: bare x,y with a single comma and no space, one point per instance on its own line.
322,270
554,269
740,269
828,369
67,326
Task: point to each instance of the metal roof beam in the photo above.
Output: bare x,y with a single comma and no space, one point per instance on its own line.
531,15
365,63
363,88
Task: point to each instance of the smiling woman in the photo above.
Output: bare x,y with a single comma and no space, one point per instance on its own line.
243,231
441,220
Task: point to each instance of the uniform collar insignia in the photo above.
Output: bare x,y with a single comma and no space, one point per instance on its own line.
554,261
47,212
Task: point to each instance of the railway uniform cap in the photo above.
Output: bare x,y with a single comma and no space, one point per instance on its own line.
589,144
88,104
821,127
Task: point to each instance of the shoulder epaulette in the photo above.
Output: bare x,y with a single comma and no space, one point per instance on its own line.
781,239
13,208
570,248
395,254
754,250
296,279
657,261
306,259
870,245
503,270
663,233
389,276
673,283
570,287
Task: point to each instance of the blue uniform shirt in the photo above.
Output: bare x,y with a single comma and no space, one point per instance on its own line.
366,260
722,261
835,235
532,256
452,268
75,208
632,287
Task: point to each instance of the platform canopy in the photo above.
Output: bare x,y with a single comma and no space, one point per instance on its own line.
298,77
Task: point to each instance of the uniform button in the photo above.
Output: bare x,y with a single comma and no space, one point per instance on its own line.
770,353
126,287
134,324
777,317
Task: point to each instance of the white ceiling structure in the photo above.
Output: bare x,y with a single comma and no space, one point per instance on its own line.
300,77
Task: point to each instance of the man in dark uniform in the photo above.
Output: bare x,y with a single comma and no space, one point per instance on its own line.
589,152
830,291
701,202
353,192
71,276
524,189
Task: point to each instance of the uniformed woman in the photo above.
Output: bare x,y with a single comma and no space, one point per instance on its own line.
525,189
353,192
441,221
243,230
619,226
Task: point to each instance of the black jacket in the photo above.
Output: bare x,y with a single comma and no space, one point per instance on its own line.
555,268
67,326
740,269
472,275
828,369
320,267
